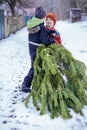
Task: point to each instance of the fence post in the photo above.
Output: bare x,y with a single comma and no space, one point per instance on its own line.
2,24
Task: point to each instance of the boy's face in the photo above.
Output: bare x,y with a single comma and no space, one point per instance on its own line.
49,23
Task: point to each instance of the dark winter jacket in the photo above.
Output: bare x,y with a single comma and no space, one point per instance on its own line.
37,34
55,34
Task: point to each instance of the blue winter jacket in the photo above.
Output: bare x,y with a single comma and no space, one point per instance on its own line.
37,34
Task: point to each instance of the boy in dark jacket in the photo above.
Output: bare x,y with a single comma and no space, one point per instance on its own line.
37,35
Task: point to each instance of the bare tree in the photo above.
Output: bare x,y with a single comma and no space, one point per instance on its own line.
12,4
1,1
31,3
60,7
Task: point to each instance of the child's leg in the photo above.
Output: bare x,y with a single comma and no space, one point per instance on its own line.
27,81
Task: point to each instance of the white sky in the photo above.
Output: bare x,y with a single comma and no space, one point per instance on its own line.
14,65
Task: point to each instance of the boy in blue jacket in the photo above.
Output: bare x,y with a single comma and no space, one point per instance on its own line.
37,36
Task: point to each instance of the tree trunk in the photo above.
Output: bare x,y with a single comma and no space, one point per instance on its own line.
12,4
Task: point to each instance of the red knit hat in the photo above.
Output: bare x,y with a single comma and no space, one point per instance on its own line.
52,16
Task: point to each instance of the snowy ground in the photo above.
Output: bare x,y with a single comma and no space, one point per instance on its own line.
14,65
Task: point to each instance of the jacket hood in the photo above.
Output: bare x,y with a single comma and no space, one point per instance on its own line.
33,22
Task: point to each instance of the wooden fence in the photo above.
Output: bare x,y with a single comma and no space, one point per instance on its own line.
13,24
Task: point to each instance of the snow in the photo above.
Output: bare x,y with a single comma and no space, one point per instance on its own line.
14,65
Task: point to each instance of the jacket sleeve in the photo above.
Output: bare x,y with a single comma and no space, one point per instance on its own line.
57,37
45,38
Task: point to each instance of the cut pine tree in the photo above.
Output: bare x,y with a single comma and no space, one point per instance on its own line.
59,82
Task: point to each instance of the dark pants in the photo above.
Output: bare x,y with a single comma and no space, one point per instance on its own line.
28,78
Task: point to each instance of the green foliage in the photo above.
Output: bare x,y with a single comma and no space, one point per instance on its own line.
59,82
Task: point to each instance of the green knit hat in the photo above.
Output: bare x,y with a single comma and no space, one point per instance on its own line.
33,22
